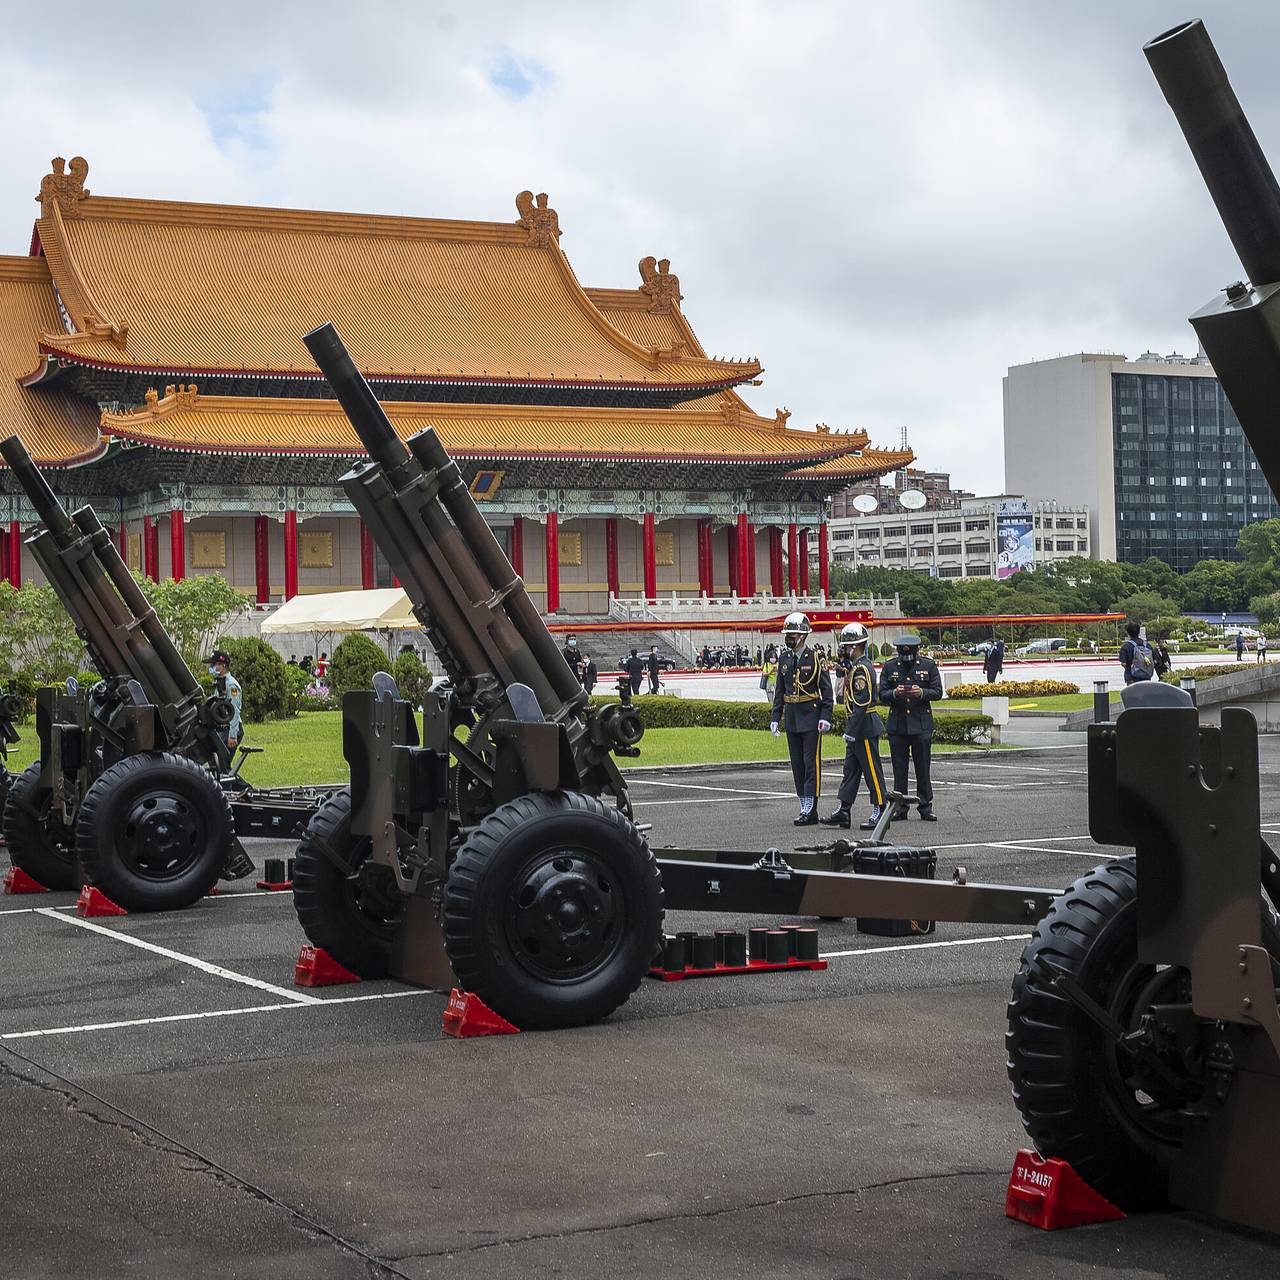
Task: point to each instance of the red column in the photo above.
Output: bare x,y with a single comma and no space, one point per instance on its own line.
517,546
803,554
650,558
731,543
824,567
261,559
4,554
177,545
150,549
793,555
705,586
124,542
14,567
742,579
775,560
751,559
367,577
290,554
553,562
612,579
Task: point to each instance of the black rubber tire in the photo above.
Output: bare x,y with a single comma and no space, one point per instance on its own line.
328,901
120,802
44,850
1064,1075
482,891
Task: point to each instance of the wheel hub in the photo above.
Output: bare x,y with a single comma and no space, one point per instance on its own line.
564,915
161,834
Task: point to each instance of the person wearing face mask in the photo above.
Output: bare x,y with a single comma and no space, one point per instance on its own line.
908,684
220,670
802,702
573,656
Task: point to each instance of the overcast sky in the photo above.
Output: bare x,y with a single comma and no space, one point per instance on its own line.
889,204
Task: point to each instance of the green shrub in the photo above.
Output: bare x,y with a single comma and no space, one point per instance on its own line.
1013,689
1205,673
354,664
658,712
412,677
264,687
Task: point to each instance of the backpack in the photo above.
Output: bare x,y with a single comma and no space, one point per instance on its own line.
1142,666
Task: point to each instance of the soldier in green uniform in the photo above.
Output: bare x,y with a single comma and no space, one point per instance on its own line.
908,684
802,706
862,730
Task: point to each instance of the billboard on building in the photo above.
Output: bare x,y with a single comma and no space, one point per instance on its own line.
1015,546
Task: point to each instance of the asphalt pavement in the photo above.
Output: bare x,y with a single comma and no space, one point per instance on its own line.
170,1103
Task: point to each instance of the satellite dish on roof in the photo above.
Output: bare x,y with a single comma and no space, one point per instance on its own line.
912,499
866,503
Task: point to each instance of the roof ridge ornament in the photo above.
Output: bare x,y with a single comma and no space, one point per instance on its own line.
182,396
539,220
780,417
64,189
731,410
659,284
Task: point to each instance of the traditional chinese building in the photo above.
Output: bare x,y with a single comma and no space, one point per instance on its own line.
151,357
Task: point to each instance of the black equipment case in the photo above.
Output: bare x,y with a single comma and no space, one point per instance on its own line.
895,860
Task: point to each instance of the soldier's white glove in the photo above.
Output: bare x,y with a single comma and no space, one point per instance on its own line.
824,725
773,728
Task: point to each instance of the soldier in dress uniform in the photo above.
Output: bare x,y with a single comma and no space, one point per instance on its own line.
802,706
908,683
862,729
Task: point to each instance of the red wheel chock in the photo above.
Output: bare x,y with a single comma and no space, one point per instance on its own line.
1050,1194
467,1015
17,881
93,902
317,968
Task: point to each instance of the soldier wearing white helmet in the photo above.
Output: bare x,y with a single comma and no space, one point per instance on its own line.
802,703
862,731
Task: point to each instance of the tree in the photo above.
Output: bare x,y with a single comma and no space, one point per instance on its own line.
1267,608
1143,606
259,668
1213,586
354,664
195,610
37,635
1259,542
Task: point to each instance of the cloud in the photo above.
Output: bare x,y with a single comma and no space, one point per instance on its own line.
888,204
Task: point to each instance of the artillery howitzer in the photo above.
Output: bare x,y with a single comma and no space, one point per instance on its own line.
512,857
127,785
1144,1033
10,714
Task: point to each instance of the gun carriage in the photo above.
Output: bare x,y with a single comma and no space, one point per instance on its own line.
1144,1033
495,840
10,715
127,789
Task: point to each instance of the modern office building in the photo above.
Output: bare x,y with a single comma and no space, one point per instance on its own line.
1151,446
989,537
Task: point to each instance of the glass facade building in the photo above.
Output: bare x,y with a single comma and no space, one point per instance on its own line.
1186,480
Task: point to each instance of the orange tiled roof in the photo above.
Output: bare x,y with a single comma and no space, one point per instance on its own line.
184,419
202,288
57,428
857,466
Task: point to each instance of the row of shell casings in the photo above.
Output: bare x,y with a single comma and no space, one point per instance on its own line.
731,949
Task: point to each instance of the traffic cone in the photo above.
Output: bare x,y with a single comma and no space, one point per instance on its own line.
17,881
317,968
467,1015
93,902
1050,1194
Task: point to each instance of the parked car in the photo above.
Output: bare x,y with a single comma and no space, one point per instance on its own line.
664,663
1049,645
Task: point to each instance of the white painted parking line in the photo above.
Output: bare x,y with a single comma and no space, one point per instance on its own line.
1042,848
922,946
215,970
695,786
1019,768
208,1013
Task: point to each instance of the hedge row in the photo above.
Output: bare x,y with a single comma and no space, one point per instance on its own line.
1013,689
660,712
1205,673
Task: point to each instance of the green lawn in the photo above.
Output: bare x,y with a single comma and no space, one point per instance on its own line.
309,749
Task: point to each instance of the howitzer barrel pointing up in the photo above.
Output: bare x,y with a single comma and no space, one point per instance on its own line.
1239,179
34,485
355,396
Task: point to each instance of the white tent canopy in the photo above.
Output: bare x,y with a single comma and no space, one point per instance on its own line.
386,609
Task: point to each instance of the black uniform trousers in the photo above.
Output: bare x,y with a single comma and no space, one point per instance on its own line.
862,759
806,761
917,749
